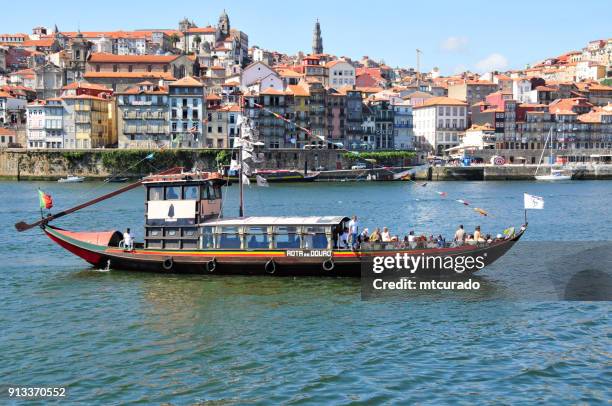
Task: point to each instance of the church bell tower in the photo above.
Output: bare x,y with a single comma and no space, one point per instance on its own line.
317,41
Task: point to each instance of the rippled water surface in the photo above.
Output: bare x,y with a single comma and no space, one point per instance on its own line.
119,337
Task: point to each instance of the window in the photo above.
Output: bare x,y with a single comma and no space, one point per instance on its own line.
130,68
173,127
219,130
208,237
257,237
287,237
230,238
211,192
156,193
173,192
314,237
114,68
191,193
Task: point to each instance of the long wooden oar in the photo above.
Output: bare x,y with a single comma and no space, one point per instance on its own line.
23,226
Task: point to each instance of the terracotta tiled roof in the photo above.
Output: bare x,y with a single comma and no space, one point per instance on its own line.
44,42
298,90
566,106
85,85
202,30
441,101
289,73
100,57
85,97
187,81
7,131
5,94
135,75
272,91
213,96
369,89
594,116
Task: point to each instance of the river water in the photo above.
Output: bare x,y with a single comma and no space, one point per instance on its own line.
119,337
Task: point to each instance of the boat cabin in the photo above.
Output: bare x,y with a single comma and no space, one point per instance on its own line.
176,204
251,233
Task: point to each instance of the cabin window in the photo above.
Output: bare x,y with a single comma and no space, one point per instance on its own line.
210,192
287,237
230,238
257,237
156,193
208,237
191,193
173,192
315,238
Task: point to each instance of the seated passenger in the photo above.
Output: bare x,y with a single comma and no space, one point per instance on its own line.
470,240
385,236
364,235
477,234
440,241
343,240
375,236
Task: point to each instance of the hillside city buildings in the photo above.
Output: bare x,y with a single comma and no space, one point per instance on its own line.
188,86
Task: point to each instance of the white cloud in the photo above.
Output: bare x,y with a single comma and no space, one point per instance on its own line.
492,62
454,44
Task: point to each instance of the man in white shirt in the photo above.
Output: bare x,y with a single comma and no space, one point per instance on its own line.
353,230
128,241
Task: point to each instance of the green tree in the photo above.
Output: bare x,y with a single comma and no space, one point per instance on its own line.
174,38
197,40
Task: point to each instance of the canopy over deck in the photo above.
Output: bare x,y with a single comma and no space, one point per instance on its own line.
278,221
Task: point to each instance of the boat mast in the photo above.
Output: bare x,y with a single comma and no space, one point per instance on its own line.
241,182
543,150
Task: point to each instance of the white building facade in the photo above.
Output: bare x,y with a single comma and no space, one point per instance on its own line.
438,123
520,90
340,73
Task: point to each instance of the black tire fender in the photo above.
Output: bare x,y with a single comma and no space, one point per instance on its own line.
168,264
270,266
211,265
328,264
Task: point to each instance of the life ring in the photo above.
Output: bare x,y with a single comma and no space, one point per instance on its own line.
211,265
168,263
270,266
328,264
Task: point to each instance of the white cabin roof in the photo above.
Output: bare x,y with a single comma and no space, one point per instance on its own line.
278,221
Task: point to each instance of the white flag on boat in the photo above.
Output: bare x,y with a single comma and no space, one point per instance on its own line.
261,181
533,202
234,165
245,180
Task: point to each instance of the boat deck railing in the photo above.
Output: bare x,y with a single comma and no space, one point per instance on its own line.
395,245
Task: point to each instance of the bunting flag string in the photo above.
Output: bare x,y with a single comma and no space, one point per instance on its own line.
478,210
279,116
443,194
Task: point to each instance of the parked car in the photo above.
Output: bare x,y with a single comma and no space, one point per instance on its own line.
359,166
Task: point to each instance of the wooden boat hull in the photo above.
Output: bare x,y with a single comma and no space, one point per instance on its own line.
254,262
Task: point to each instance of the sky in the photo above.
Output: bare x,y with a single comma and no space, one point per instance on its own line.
454,36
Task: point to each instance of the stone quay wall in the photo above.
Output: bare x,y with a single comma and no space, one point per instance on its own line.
51,164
